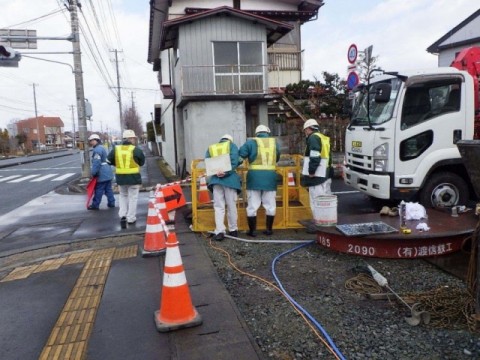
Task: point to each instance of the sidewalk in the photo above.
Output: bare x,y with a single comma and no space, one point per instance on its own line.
51,315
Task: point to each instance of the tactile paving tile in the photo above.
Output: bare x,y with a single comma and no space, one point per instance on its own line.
69,337
125,252
21,272
48,265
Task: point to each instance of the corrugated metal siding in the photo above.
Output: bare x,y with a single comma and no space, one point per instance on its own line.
197,38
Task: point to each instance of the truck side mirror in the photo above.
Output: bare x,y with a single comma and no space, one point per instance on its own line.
382,93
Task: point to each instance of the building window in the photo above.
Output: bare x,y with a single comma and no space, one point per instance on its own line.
238,67
236,4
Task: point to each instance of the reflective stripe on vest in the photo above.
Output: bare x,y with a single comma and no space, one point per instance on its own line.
219,149
325,153
266,154
124,162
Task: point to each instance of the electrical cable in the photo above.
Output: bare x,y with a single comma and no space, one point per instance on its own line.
269,283
306,313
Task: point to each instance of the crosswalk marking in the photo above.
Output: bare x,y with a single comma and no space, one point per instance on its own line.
5,179
15,179
63,177
44,177
24,178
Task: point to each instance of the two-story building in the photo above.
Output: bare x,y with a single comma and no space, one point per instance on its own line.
465,34
219,64
42,133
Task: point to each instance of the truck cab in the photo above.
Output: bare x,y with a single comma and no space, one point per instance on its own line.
401,141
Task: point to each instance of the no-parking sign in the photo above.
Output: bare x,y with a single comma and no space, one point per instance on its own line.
352,80
352,54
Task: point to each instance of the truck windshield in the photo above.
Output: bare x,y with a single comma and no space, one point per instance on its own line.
379,112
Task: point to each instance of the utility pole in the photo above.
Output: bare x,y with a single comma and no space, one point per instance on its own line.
119,94
36,115
77,64
72,107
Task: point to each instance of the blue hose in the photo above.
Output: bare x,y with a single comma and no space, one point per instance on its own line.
310,317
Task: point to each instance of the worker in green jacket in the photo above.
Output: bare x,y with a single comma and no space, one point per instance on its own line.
225,186
127,159
262,153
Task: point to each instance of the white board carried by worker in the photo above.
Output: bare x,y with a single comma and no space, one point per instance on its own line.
216,164
321,169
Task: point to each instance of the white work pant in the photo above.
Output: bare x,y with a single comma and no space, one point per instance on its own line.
256,198
318,190
225,196
128,201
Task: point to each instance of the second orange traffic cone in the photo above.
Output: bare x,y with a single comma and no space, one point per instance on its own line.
176,309
161,205
292,191
154,243
203,193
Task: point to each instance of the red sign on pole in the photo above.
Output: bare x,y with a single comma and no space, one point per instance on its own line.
352,54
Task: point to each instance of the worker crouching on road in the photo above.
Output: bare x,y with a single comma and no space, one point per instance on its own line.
127,159
262,153
103,172
317,171
225,187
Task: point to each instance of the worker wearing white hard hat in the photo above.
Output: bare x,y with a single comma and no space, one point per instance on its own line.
262,153
103,173
225,186
127,159
317,166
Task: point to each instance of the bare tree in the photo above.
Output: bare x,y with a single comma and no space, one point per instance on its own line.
132,121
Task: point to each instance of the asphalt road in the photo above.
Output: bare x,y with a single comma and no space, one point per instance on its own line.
21,182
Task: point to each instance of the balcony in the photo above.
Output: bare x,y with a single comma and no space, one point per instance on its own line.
226,80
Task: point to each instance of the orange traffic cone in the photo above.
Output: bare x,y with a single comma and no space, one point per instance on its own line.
291,180
161,205
176,309
292,193
154,243
203,193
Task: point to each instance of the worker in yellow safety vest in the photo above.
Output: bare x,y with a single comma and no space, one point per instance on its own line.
225,186
317,170
127,159
262,153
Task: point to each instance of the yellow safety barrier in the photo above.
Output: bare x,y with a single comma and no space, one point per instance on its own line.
292,200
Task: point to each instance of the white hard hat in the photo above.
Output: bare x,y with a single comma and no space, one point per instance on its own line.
262,128
129,134
228,137
94,137
310,123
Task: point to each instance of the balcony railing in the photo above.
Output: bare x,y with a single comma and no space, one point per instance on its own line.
225,79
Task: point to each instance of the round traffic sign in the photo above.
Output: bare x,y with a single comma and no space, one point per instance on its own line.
352,53
352,80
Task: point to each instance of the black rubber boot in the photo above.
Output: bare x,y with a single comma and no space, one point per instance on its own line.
252,225
269,225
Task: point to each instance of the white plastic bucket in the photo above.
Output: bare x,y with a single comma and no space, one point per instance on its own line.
325,210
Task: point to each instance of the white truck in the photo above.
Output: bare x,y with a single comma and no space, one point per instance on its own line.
401,141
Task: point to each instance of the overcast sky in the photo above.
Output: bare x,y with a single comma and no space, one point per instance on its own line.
399,30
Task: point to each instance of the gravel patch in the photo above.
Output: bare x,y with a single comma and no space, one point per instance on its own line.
325,284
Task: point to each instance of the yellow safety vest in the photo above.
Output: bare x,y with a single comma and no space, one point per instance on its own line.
266,154
219,149
325,153
124,162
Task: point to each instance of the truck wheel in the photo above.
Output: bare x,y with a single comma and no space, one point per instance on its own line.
444,189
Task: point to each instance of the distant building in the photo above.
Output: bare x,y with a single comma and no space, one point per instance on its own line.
220,64
465,34
42,132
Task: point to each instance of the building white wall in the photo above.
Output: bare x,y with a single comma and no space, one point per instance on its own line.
445,57
206,122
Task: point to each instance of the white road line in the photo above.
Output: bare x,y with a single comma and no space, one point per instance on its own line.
345,192
63,177
8,178
24,178
44,177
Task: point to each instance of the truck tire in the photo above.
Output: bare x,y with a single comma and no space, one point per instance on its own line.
444,189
